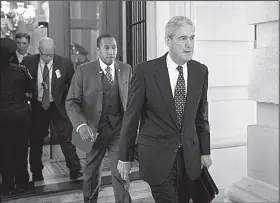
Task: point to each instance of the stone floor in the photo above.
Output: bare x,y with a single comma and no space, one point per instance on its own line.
56,176
229,166
140,192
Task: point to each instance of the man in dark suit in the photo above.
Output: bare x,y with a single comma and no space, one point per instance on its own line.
15,119
95,105
22,40
169,94
52,75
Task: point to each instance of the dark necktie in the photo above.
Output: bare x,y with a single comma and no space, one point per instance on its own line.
46,89
180,95
109,75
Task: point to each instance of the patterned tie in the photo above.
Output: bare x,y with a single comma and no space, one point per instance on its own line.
109,75
46,90
180,98
180,95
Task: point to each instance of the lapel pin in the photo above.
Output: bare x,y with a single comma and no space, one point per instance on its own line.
100,72
119,70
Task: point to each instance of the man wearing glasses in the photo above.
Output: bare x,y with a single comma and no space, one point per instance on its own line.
52,75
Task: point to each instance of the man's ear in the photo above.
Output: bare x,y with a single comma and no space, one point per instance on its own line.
167,41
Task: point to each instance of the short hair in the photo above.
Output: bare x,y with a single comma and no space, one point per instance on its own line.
106,35
21,35
175,23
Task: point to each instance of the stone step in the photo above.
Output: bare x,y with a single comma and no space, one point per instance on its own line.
139,190
55,185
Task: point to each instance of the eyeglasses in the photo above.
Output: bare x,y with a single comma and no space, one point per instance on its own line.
46,55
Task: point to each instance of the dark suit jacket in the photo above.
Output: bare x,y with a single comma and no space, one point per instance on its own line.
15,59
14,83
85,96
150,97
59,86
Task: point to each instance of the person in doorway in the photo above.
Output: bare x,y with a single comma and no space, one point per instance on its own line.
52,76
95,104
15,120
169,94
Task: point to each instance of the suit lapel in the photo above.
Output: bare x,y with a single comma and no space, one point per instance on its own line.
192,87
120,77
16,60
34,65
55,67
97,73
34,73
162,77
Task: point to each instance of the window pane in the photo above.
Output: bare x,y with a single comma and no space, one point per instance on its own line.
85,28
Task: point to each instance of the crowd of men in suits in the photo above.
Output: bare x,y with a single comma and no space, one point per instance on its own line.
105,105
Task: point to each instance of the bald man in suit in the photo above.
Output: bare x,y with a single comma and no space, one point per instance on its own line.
52,75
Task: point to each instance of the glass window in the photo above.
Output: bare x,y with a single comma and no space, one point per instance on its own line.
84,30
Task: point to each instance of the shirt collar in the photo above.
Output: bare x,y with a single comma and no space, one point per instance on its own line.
19,54
43,63
171,64
103,66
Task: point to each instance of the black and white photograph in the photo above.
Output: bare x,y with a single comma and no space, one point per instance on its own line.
134,101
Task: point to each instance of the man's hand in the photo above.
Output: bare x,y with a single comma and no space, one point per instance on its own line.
206,161
87,134
124,169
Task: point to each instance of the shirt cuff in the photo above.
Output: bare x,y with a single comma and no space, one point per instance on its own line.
124,162
80,127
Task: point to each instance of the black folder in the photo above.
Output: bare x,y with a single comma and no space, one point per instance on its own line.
84,145
205,187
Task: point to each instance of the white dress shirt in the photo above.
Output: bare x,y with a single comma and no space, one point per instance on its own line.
174,73
20,56
103,66
41,66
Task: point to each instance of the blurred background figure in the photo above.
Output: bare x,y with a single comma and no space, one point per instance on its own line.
15,119
81,53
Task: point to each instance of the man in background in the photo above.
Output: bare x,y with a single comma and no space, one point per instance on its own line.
23,41
95,104
15,120
52,75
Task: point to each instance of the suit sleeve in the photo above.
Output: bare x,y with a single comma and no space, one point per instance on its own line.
29,77
201,120
134,107
73,100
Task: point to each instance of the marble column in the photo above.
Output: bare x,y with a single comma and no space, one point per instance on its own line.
262,181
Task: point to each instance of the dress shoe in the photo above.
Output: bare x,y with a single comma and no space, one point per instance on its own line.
37,177
9,192
20,189
75,175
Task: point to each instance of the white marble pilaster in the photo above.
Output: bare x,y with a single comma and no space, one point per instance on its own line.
262,181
